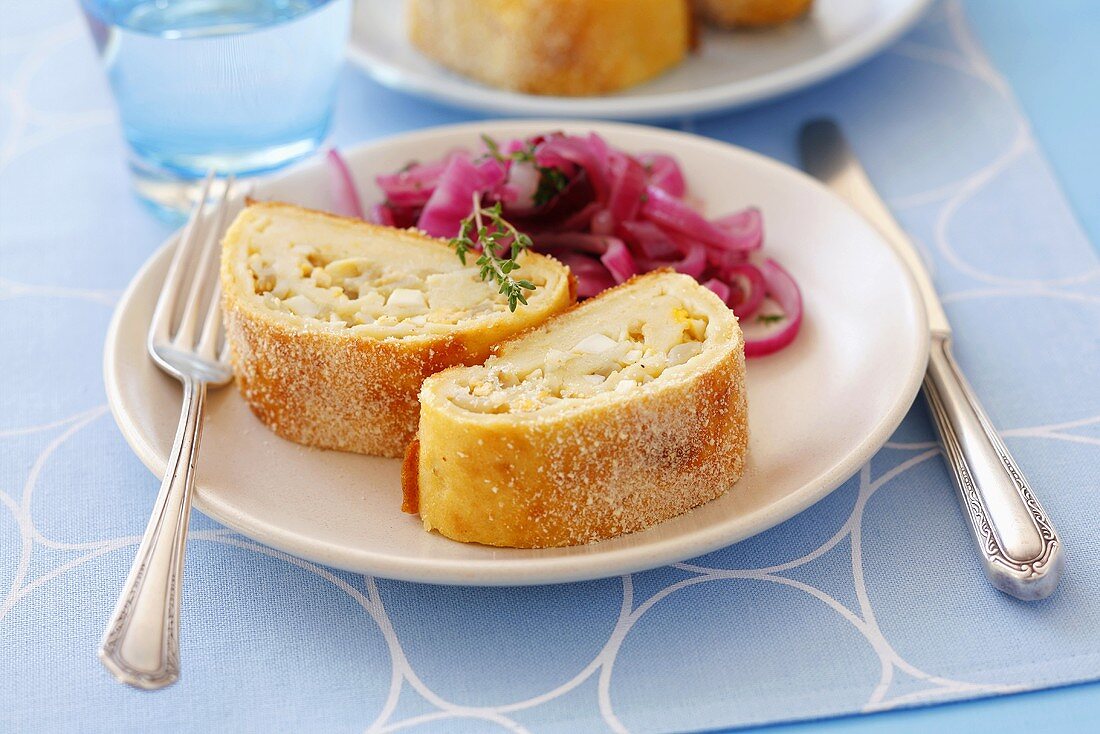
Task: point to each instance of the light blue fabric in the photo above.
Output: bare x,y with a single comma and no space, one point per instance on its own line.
854,619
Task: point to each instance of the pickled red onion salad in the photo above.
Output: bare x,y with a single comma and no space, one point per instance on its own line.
605,213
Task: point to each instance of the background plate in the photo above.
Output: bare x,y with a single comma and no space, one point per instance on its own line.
728,70
817,411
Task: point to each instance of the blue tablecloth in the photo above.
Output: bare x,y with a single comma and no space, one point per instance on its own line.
826,614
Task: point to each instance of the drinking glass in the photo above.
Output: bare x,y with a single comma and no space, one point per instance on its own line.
238,86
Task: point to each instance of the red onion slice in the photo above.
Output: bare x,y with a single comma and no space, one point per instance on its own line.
413,186
746,227
618,261
664,173
592,244
453,197
382,214
580,219
722,290
674,214
783,289
725,261
603,222
650,239
513,146
600,149
752,287
693,263
627,188
572,151
345,194
592,277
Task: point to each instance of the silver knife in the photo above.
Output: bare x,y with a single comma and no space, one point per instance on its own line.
1021,553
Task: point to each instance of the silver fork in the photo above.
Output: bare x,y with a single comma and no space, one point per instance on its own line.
141,644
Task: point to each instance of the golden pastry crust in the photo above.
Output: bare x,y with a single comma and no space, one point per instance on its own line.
750,13
595,469
563,47
324,384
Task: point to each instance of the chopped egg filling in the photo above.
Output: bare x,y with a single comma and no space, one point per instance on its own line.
602,361
308,282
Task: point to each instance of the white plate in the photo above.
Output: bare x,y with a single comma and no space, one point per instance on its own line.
817,411
729,69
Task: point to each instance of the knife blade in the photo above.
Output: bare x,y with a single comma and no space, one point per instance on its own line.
1022,554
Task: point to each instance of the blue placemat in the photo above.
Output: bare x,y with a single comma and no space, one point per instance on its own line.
869,600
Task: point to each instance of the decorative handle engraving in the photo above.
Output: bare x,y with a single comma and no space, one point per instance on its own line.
1021,552
141,644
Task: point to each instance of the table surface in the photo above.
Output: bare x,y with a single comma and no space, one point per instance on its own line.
1046,51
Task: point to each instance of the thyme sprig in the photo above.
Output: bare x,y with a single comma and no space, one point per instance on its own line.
492,240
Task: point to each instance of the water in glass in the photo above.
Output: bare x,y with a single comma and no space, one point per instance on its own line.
241,86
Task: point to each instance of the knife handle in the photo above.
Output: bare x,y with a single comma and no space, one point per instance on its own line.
1022,554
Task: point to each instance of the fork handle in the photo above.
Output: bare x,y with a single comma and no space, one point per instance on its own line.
141,644
1021,552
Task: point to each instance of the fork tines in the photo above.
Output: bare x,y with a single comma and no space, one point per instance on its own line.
193,323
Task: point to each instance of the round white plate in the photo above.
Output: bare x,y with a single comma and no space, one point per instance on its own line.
817,411
729,69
